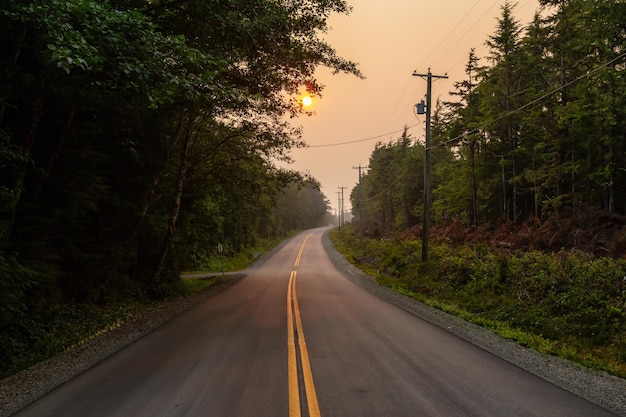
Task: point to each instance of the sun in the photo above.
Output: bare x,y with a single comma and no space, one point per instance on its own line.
307,101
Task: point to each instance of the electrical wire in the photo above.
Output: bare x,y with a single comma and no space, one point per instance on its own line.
400,100
361,140
426,59
478,129
450,33
465,33
465,57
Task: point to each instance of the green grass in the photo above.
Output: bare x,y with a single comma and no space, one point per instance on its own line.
230,262
194,286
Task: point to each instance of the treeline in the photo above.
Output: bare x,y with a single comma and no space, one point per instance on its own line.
302,207
536,129
137,135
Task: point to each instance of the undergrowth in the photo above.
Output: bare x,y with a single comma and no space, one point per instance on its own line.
71,325
567,303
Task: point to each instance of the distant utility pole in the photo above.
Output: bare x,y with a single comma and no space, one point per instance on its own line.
420,110
342,216
360,202
339,208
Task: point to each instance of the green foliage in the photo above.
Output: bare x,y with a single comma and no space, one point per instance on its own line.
563,303
71,325
136,136
64,327
391,196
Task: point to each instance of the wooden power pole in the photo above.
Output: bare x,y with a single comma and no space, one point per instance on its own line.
420,110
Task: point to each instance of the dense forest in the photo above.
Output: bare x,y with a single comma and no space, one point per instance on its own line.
535,131
137,135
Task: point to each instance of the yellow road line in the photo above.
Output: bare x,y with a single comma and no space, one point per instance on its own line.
299,257
293,311
292,366
309,386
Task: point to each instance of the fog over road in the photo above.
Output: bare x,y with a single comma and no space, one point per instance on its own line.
295,337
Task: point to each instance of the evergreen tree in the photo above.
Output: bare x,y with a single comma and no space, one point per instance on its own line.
499,96
464,126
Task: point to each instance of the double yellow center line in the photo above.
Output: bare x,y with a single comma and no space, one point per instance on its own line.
297,350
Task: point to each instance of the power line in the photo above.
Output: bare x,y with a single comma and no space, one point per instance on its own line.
361,140
517,7
451,32
400,100
409,82
465,33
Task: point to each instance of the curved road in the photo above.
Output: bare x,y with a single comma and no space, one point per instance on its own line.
296,338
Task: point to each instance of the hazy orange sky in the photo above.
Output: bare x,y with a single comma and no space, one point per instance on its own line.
390,39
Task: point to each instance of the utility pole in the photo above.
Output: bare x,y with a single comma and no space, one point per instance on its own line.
343,218
420,110
339,208
360,203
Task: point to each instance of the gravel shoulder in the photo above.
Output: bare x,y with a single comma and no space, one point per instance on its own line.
27,386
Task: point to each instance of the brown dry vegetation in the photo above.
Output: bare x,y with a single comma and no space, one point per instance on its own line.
590,231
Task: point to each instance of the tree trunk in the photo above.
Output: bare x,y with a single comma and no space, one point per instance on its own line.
474,202
153,195
505,208
560,182
54,155
514,172
611,187
29,142
535,185
175,211
15,54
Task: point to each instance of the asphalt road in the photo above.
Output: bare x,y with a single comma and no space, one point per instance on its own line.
295,337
